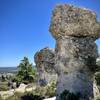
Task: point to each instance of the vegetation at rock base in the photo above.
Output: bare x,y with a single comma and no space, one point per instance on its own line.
31,96
66,95
47,91
25,96
97,77
97,74
51,89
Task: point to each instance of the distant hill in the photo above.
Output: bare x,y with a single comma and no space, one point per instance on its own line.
8,69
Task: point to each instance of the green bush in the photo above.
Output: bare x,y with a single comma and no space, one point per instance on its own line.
41,91
66,95
24,96
47,91
97,77
31,96
51,89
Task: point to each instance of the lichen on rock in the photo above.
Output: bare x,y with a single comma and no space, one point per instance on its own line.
44,60
68,20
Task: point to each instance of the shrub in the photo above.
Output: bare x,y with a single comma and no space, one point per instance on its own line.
41,91
47,91
3,78
66,95
30,96
97,77
51,89
4,88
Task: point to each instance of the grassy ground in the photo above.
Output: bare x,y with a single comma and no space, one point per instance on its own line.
16,96
4,86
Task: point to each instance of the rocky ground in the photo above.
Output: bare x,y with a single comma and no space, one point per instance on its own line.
21,89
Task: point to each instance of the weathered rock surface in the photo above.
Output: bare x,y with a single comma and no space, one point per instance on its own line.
44,60
75,30
68,20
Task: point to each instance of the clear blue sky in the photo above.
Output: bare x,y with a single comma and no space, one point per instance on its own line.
24,27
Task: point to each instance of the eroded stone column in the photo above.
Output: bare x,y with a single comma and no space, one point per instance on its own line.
44,60
75,30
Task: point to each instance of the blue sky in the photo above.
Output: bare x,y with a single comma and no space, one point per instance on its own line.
24,27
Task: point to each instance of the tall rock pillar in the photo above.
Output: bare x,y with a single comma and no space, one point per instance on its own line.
75,30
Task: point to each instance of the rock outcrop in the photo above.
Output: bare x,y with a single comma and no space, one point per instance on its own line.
44,60
75,30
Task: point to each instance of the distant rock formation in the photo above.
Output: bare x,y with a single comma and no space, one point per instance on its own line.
75,30
44,60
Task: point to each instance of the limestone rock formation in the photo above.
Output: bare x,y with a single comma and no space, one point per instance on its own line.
44,60
75,30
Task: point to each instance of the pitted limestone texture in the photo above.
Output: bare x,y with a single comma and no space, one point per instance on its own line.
44,60
75,31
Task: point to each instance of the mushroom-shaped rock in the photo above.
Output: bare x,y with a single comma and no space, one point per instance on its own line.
44,60
75,30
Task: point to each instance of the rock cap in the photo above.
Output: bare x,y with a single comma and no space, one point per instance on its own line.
68,20
44,55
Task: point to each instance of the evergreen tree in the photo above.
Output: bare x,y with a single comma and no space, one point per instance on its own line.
26,72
